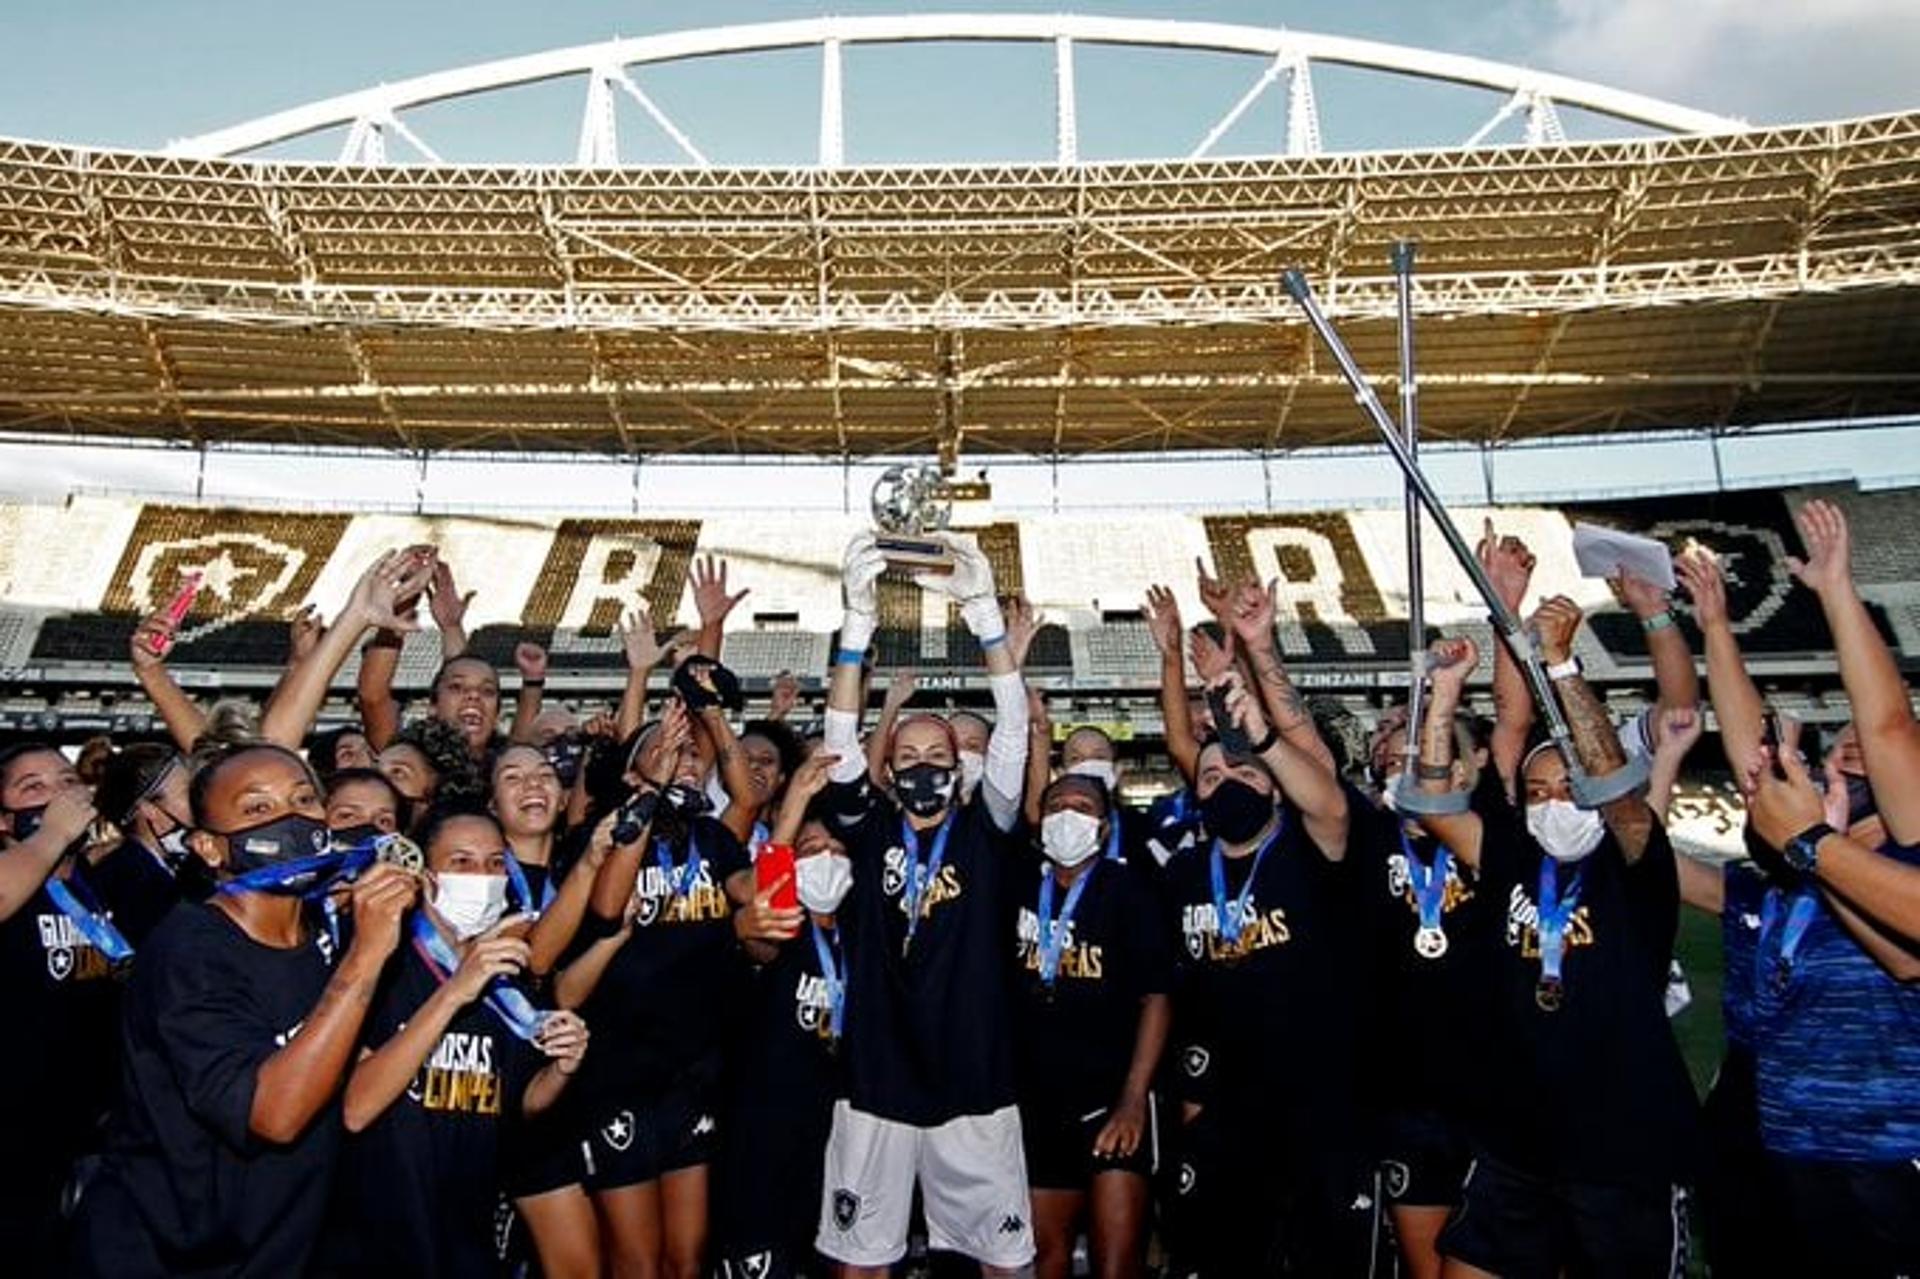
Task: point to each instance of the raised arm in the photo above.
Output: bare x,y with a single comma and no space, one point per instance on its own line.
1449,662
1039,755
395,576
970,585
1162,612
712,602
24,866
1737,704
298,1081
184,719
1674,675
1312,787
531,661
449,609
784,697
613,885
1882,715
1252,612
304,632
899,692
1509,565
736,778
1678,731
644,652
379,712
1595,740
558,924
860,572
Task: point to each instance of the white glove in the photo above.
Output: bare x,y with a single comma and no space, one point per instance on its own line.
860,572
971,578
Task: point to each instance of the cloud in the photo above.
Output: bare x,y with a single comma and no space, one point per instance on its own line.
1767,60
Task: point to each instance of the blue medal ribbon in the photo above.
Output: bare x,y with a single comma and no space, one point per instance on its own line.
1114,852
1555,911
521,891
503,998
1799,918
1053,932
833,971
689,873
1429,882
920,876
309,877
88,916
1230,918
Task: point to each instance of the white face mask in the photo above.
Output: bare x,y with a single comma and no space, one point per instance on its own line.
822,881
1566,831
973,766
717,793
1100,770
1068,837
470,904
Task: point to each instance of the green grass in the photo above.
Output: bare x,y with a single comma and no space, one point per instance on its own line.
1699,1028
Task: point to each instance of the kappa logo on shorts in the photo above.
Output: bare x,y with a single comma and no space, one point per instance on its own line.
618,1131
1195,1061
1187,1179
1012,1224
846,1209
704,1126
1398,1177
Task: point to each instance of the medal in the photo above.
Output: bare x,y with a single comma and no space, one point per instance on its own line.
920,875
1053,931
1778,966
1429,886
1556,908
1429,943
1549,994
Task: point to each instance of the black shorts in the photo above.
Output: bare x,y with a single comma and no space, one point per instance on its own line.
1855,1218
541,1156
1424,1158
628,1143
1059,1146
1520,1226
770,1263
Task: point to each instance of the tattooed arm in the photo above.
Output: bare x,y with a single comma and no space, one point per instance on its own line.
1450,661
1252,616
1595,741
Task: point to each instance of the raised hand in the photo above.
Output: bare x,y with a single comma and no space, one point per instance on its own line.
972,575
445,603
563,1038
1508,563
1829,562
1214,592
1023,623
860,572
900,690
531,660
1211,659
148,646
1781,805
1243,708
1680,728
1449,661
1699,571
1039,717
710,597
760,920
493,954
1637,595
1554,624
662,752
304,633
1162,612
1253,610
70,814
809,780
786,696
380,596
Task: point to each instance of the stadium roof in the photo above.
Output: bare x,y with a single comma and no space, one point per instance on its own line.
1713,280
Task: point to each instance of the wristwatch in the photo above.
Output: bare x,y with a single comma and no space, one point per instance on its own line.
1565,670
1803,850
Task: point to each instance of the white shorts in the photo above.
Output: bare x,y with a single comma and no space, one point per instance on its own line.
973,1184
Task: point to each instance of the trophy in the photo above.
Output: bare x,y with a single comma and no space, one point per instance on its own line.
909,502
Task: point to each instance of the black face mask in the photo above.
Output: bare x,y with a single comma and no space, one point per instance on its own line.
1860,801
277,842
1235,812
924,790
28,821
567,754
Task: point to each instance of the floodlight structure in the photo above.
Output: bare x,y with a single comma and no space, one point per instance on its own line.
1589,790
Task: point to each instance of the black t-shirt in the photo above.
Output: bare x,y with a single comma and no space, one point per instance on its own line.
1271,1027
1433,1010
927,1032
1073,1040
782,1076
186,1187
1595,1090
137,888
59,1070
661,1010
423,1180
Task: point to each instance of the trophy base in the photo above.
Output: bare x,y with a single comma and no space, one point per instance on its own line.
922,555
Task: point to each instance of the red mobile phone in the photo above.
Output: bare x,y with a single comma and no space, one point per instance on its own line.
177,610
775,862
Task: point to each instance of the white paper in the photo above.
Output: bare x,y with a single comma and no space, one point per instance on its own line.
1605,552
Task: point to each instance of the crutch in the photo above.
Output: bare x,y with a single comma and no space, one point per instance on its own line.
1589,790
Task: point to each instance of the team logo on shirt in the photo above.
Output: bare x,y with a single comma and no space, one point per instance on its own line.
458,1077
757,1266
617,1132
70,956
893,882
813,1006
1400,884
1195,1060
1187,1178
703,902
1261,930
1523,925
1081,960
846,1210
